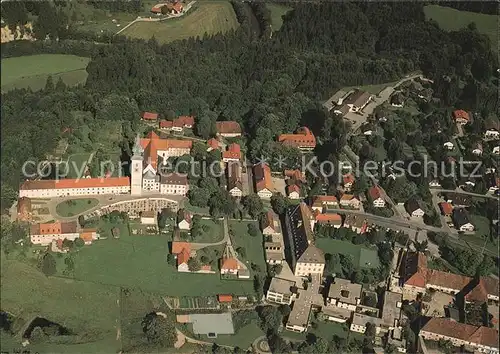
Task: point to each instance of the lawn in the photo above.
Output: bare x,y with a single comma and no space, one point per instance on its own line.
243,338
277,13
195,209
451,20
205,17
84,308
363,257
253,246
33,70
482,237
140,262
75,206
215,232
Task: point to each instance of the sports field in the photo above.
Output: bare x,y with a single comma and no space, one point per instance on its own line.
451,20
33,70
205,17
362,256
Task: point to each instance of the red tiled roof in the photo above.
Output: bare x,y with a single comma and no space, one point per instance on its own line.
262,174
229,263
461,114
228,127
374,192
87,235
491,285
56,228
478,293
76,183
349,178
177,247
152,143
225,298
448,280
233,152
446,208
175,6
303,138
485,336
213,143
295,174
325,199
156,9
183,256
292,188
184,121
328,218
166,124
149,116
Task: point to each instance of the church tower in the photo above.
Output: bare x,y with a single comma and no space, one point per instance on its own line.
136,168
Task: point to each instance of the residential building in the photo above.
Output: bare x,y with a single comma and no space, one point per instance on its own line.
213,144
496,150
303,139
414,208
344,294
74,187
461,220
178,124
397,100
350,201
148,218
477,149
322,203
89,235
24,211
149,116
222,298
434,184
234,182
228,129
311,261
331,219
44,234
182,252
492,129
448,145
492,182
335,100
229,266
184,220
480,339
355,102
273,243
348,181
295,175
461,117
356,223
263,181
233,153
174,183
293,191
375,196
281,291
458,200
446,208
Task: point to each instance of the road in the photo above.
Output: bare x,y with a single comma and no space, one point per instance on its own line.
458,191
250,178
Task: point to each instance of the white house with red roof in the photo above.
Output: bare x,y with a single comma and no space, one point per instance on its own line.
375,195
184,220
233,153
293,191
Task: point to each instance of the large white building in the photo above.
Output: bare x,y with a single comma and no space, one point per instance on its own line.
45,234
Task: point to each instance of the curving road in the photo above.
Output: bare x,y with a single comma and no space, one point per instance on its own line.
490,196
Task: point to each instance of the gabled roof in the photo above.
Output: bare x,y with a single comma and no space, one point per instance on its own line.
328,218
358,98
312,254
234,176
374,192
303,138
149,116
183,256
233,152
262,175
349,178
177,247
295,174
213,143
270,219
460,217
413,205
182,215
461,114
319,200
225,298
228,127
68,183
166,124
56,228
292,188
446,208
229,263
348,197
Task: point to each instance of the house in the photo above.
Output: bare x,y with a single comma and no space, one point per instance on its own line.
213,144
184,220
434,184
459,200
181,122
414,208
446,208
375,195
295,175
174,8
89,235
344,294
477,149
44,234
270,224
281,291
166,125
397,99
293,191
461,117
492,182
479,339
448,145
492,129
263,181
273,243
322,203
331,219
233,153
355,102
24,211
228,129
224,298
157,9
349,201
461,220
303,139
182,252
229,266
335,100
173,183
148,218
234,183
312,261
149,116
348,181
356,223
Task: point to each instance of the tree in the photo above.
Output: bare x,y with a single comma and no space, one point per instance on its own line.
193,264
279,203
253,205
49,84
69,244
81,221
159,330
284,310
370,330
270,318
48,265
37,335
79,242
241,251
253,230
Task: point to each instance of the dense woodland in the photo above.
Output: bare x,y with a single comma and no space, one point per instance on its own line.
270,85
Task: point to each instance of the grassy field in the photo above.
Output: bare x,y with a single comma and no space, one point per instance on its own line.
451,20
205,17
277,13
253,245
363,257
140,262
75,206
243,338
214,234
33,70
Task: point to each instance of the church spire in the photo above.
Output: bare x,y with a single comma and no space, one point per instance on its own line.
137,149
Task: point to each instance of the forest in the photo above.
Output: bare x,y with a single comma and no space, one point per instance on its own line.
270,85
